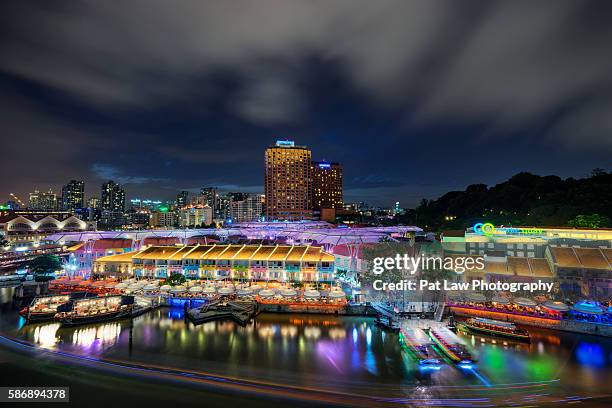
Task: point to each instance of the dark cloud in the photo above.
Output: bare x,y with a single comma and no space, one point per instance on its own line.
180,93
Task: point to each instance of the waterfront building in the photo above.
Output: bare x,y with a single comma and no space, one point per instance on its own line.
43,201
288,181
73,195
195,216
22,227
83,255
247,209
579,259
162,219
282,263
326,186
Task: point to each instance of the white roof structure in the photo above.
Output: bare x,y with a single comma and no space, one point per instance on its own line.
302,232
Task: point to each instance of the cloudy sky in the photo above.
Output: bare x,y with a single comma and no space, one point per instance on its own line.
414,98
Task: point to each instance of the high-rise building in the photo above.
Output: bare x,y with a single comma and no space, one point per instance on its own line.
209,197
247,209
182,199
288,182
326,185
93,202
162,219
43,201
195,216
73,195
113,197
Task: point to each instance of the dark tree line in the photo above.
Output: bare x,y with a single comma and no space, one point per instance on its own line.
524,199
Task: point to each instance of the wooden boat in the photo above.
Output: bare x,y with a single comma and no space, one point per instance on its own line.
419,346
95,310
495,328
451,345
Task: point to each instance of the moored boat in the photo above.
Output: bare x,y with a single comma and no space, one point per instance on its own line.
95,310
495,328
451,345
417,344
43,308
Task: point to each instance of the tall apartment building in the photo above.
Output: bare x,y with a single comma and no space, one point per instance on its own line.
195,216
43,201
73,195
248,209
162,219
182,199
326,185
113,197
288,181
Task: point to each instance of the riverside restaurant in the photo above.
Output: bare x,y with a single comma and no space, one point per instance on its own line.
282,263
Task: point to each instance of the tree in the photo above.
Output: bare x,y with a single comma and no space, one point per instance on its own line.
176,279
589,221
43,266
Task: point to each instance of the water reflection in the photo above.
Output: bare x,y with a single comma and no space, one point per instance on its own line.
348,353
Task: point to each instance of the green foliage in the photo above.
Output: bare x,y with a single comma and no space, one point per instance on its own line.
44,264
524,199
176,279
589,221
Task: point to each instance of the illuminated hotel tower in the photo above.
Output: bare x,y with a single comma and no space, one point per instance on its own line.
326,185
288,182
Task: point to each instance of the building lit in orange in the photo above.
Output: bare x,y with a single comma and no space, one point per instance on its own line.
288,181
326,185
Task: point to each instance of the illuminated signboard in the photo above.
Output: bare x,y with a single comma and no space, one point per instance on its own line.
489,229
324,165
285,143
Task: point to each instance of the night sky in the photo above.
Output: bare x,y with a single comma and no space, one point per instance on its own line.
414,98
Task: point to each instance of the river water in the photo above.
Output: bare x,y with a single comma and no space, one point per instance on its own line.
350,354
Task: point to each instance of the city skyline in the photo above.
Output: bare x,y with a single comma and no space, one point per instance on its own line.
406,118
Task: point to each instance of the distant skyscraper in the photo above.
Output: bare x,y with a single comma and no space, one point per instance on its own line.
43,201
182,199
248,208
93,202
209,197
113,197
73,195
326,185
288,181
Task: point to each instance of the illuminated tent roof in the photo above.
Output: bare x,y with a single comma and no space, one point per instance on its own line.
521,301
587,307
555,305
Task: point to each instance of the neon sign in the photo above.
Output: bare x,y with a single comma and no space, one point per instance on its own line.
324,165
285,143
489,229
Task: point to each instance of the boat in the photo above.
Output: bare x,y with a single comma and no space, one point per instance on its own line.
239,311
452,346
95,310
495,328
44,308
419,346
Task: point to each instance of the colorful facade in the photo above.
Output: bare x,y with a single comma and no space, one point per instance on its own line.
284,263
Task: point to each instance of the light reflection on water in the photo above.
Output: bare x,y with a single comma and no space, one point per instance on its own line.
329,351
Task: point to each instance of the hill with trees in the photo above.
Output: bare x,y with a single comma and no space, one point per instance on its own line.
524,199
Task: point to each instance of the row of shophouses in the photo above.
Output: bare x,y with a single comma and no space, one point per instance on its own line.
286,263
